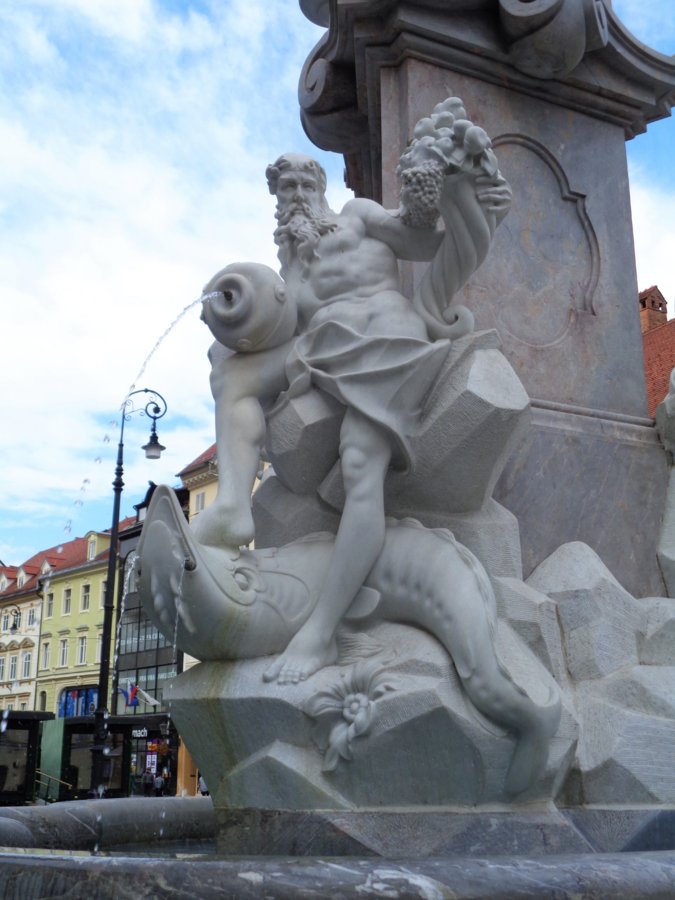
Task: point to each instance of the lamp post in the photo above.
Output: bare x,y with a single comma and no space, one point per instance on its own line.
16,619
155,408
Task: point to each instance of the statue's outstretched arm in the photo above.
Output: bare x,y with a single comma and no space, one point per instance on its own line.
248,311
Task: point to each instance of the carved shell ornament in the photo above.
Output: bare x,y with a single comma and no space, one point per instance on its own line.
246,308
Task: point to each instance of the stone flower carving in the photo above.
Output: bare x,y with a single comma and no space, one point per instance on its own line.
346,711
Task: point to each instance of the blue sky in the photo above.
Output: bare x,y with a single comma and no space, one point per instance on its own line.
134,135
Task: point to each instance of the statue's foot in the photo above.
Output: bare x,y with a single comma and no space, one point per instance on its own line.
304,655
221,525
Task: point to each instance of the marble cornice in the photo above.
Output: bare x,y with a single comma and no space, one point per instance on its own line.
206,475
616,79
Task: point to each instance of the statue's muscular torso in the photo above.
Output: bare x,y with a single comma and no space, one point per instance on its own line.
353,280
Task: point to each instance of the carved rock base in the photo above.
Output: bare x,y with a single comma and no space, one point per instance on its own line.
424,743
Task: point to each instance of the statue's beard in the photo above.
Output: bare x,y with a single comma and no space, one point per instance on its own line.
299,231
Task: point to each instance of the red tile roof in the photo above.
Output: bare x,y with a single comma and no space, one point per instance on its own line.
647,291
67,555
659,354
201,460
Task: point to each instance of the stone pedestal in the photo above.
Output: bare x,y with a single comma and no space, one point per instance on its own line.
559,87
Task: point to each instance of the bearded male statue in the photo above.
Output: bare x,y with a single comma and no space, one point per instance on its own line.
336,321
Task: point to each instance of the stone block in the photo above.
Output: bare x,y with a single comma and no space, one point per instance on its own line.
491,533
649,690
397,833
625,755
656,643
260,745
476,415
281,516
534,617
600,621
666,541
583,477
303,435
280,776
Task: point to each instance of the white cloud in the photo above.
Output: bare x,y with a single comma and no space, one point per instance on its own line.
651,21
133,143
132,157
129,20
653,212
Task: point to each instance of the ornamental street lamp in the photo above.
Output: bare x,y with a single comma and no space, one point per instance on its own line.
16,619
155,408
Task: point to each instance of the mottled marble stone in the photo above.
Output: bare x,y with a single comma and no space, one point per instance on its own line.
626,876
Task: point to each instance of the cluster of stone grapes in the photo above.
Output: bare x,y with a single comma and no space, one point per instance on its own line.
443,143
421,187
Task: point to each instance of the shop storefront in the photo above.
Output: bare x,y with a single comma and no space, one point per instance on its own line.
153,747
19,755
134,744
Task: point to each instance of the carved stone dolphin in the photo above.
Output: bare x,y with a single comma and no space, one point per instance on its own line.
226,604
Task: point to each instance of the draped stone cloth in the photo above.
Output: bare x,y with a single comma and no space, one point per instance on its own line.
385,378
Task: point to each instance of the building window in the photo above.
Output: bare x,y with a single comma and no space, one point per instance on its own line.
99,645
16,620
199,501
5,621
45,655
67,594
49,612
12,667
63,652
103,588
81,650
31,616
43,701
21,580
80,701
23,706
138,634
2,668
91,548
25,664
84,600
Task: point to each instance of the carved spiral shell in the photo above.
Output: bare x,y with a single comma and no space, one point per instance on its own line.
246,307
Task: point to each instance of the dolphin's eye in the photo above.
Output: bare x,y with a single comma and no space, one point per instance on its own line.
243,579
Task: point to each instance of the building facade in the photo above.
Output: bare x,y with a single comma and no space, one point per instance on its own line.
200,479
145,661
20,614
71,628
658,345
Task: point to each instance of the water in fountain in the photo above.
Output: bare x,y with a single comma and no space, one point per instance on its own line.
175,639
129,568
157,345
86,482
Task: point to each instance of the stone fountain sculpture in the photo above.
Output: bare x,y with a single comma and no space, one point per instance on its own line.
379,647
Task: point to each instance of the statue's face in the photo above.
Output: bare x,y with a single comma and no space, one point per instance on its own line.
299,187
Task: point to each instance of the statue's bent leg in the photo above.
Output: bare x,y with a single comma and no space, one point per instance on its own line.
238,383
365,452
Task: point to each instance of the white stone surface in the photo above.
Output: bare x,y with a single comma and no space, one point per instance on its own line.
425,745
600,621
